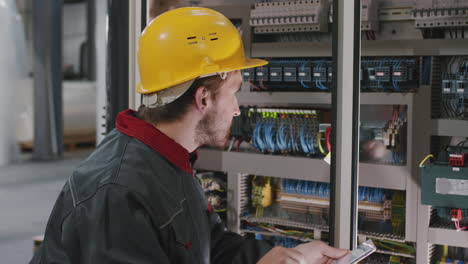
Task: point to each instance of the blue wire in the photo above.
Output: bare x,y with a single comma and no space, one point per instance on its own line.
259,140
268,135
302,80
304,146
310,143
280,141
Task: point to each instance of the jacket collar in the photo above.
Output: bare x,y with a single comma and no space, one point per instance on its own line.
129,124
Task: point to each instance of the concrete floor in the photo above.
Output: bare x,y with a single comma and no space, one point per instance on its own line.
28,191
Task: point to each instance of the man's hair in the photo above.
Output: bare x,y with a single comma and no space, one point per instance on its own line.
177,109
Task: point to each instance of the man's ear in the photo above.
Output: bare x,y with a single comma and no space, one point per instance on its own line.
202,98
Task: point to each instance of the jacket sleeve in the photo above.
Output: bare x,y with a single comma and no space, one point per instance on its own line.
114,227
229,247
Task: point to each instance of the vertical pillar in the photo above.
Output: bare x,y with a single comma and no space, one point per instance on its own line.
117,78
48,112
345,122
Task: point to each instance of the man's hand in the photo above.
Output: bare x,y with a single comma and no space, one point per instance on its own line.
315,252
318,252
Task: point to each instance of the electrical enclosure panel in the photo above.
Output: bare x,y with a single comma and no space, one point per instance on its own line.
447,86
445,16
276,74
461,86
444,186
304,74
400,74
369,15
289,74
329,73
371,74
248,74
261,74
320,74
290,16
382,74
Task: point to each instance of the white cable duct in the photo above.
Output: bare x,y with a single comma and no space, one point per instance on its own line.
12,70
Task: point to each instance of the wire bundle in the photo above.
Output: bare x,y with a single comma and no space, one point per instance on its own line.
395,129
305,187
381,74
455,89
277,230
322,189
282,131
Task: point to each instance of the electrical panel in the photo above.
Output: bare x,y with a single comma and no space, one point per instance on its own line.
369,15
452,95
450,16
290,16
389,75
396,74
289,212
443,254
282,131
285,118
214,185
445,186
383,139
306,132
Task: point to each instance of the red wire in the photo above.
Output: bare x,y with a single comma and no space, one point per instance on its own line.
238,145
327,138
457,225
262,85
256,87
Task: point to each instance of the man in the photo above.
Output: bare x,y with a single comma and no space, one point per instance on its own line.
135,200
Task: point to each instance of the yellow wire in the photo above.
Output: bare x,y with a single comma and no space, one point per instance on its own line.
425,159
445,254
319,142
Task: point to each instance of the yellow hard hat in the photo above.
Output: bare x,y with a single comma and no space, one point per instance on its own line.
186,43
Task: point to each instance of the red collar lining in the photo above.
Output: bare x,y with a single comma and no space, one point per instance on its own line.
132,126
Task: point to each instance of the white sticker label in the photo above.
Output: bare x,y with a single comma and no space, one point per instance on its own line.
287,74
274,74
259,73
447,90
246,73
317,74
302,74
460,90
327,158
451,186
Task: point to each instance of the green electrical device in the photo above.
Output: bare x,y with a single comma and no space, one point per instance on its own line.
444,186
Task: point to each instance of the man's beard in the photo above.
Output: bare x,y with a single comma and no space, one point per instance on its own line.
210,132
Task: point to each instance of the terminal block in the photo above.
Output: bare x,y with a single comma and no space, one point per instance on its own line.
290,16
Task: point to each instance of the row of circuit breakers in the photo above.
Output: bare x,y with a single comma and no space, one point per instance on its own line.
315,15
397,74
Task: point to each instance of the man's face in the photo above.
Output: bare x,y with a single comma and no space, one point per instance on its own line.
214,128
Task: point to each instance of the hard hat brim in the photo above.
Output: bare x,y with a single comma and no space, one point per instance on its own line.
247,64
